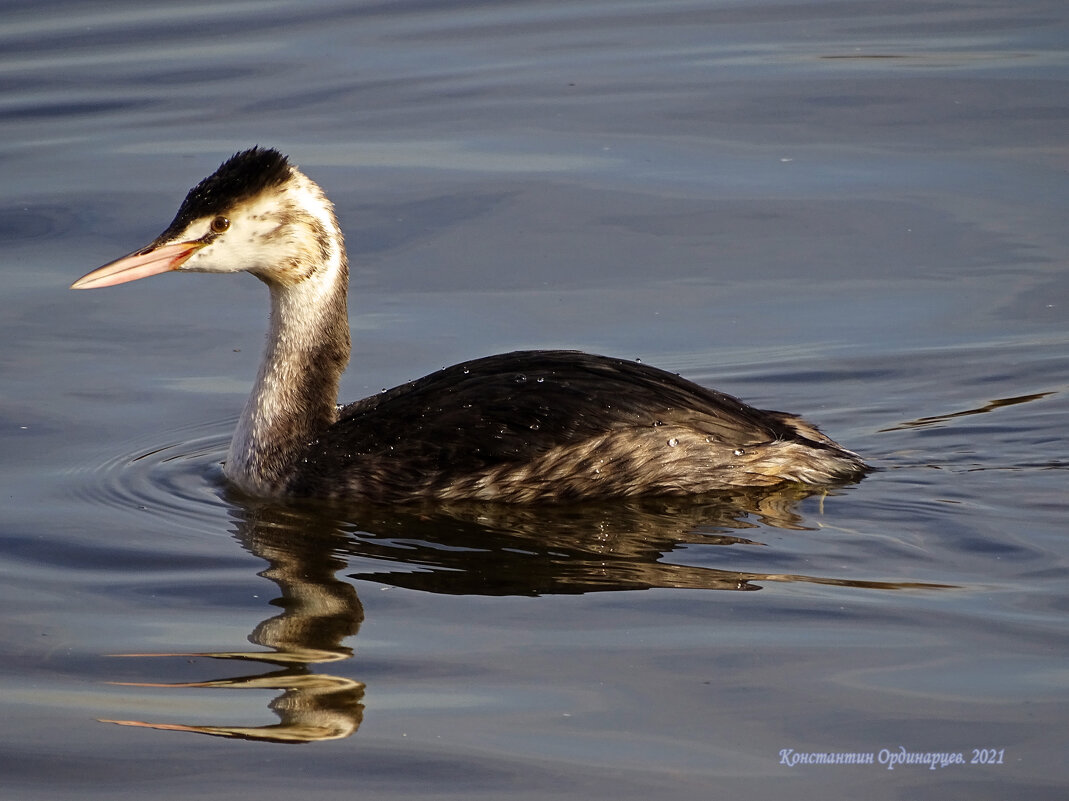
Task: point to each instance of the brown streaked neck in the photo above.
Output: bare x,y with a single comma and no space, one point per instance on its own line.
294,397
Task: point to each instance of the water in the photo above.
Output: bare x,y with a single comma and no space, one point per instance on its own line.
849,210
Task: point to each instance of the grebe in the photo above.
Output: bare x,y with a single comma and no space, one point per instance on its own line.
517,427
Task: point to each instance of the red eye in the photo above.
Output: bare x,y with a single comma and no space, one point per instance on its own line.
220,224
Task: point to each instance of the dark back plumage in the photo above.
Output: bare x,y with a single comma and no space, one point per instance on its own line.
508,409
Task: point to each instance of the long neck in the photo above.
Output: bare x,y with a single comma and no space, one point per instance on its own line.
295,394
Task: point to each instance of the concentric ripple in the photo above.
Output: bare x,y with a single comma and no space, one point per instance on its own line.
176,475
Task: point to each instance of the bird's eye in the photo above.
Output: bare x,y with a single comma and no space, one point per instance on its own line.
220,224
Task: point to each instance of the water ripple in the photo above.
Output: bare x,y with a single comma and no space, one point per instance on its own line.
176,476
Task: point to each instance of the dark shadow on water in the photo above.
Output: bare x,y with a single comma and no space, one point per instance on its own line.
481,550
990,406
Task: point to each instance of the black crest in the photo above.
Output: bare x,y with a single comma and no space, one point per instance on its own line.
242,176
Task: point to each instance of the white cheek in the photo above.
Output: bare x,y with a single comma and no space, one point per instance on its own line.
203,261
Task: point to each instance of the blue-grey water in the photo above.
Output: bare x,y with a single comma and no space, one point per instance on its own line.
851,210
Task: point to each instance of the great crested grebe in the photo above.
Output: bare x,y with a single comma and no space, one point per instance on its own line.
517,427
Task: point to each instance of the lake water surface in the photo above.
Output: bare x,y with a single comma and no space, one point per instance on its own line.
851,210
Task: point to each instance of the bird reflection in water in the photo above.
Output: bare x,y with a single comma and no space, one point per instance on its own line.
483,549
319,611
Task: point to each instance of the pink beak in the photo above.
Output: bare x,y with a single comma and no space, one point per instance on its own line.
140,264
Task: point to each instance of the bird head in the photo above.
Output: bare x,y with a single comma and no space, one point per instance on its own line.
257,213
